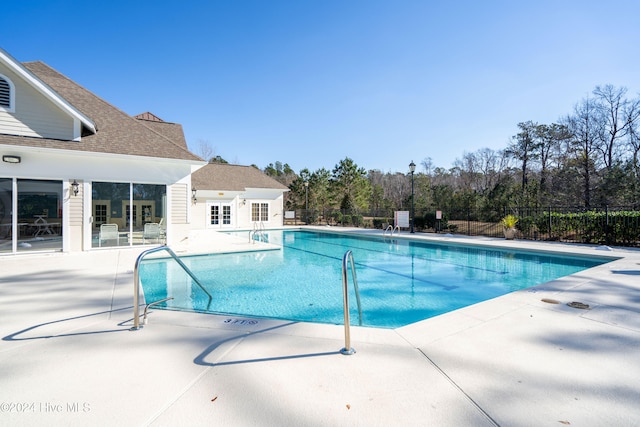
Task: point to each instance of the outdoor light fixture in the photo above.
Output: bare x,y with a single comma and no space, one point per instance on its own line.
193,195
76,187
412,169
11,159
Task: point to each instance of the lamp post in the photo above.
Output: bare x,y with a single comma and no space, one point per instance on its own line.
412,168
306,202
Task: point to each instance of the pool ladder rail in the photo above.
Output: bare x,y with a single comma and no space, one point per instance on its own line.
258,233
392,229
346,260
136,284
148,306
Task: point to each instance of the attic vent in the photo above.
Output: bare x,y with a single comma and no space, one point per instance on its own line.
5,93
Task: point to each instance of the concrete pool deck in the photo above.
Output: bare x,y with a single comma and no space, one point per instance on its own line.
67,356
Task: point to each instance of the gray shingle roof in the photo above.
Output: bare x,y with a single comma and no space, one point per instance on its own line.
224,177
173,131
118,133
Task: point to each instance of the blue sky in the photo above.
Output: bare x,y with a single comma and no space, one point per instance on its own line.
309,82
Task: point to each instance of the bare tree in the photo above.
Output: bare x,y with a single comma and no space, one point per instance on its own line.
634,144
632,117
467,171
586,126
427,164
619,115
397,189
479,171
205,150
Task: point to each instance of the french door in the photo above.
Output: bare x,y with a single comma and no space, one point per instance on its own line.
219,215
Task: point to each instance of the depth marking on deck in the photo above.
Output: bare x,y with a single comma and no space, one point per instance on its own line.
240,322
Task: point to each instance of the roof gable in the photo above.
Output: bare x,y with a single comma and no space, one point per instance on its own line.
46,91
117,132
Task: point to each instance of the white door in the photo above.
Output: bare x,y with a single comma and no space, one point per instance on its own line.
219,215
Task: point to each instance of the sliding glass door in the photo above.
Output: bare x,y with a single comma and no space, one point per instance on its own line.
30,215
121,213
6,209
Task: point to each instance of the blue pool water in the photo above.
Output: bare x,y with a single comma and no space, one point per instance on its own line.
401,281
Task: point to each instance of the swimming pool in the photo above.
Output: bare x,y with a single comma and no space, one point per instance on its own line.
401,281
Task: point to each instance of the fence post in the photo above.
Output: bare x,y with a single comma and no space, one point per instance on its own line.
606,225
550,234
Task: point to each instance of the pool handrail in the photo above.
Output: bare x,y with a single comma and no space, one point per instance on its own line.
258,231
136,281
348,257
392,228
148,306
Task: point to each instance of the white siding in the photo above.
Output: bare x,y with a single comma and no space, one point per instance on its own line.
75,206
241,208
179,199
34,115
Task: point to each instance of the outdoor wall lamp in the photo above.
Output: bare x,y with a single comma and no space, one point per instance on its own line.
76,187
193,195
11,159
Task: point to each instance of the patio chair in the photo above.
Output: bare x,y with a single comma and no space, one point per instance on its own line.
108,232
163,230
151,231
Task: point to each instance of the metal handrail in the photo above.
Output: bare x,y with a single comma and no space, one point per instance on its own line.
136,281
146,309
258,230
392,228
348,257
257,236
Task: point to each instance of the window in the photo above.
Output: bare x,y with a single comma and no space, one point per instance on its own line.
7,94
226,214
39,212
127,206
260,212
214,215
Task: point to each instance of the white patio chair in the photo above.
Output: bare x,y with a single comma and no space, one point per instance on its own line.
108,232
151,231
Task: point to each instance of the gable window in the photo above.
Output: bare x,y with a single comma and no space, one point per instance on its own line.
260,212
7,95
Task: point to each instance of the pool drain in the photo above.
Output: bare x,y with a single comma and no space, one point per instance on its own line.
579,305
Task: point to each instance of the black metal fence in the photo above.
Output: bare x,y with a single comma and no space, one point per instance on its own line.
600,225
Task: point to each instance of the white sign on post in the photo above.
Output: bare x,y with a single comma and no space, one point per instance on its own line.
402,219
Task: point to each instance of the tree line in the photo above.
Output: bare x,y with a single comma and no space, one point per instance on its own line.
589,157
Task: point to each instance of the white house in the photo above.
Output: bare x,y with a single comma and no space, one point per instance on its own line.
235,197
79,174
